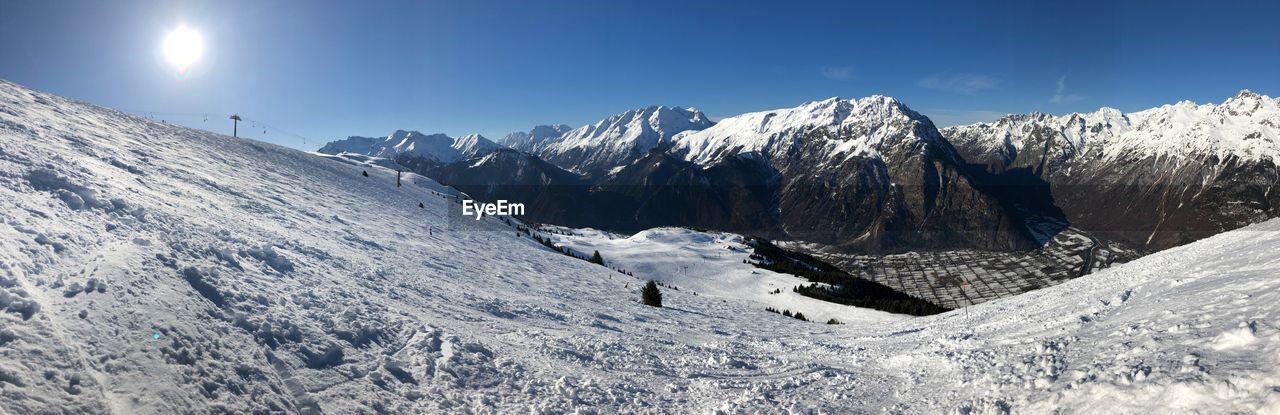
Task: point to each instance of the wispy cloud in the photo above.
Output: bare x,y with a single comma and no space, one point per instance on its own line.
966,84
948,117
839,73
1060,97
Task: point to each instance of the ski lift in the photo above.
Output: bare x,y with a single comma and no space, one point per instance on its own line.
235,123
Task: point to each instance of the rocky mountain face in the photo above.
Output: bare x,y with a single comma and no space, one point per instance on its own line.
867,174
550,193
663,190
657,190
1153,179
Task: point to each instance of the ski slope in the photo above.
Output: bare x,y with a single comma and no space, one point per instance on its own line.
148,268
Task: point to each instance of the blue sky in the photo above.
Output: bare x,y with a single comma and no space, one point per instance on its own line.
329,69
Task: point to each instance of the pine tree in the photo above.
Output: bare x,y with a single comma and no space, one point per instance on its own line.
650,294
800,316
597,259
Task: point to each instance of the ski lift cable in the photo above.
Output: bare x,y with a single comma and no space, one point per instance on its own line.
205,116
281,130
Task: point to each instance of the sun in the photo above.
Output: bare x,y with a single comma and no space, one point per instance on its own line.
182,47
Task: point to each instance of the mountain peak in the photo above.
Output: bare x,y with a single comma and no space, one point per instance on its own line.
618,139
528,140
438,146
871,122
1246,125
1245,98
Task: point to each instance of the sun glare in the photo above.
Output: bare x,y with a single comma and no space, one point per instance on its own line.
182,47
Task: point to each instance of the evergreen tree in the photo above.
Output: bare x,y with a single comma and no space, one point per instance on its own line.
597,259
800,316
650,294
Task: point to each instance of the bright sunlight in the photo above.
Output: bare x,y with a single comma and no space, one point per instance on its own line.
182,47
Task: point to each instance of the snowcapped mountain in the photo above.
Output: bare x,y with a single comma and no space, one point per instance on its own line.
527,141
1246,126
862,174
865,174
847,128
438,148
149,268
614,141
1154,178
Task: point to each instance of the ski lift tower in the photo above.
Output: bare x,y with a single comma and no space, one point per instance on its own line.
235,124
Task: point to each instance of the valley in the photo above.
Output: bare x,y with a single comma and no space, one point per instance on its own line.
955,279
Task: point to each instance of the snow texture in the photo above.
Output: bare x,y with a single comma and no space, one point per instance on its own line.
230,275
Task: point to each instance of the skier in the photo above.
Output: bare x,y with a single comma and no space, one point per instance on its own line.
420,206
365,173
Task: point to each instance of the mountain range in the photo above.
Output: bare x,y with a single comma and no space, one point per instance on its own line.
872,175
1153,179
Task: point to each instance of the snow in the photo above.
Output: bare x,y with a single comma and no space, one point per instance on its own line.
710,264
438,147
361,159
1245,126
527,141
618,139
238,276
874,121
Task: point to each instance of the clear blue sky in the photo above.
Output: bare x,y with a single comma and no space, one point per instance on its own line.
329,69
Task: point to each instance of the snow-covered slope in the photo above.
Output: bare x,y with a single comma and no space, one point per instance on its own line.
617,140
359,159
709,264
864,126
147,268
439,148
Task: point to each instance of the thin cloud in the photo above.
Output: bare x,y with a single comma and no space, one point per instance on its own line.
964,84
838,73
1060,98
948,118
